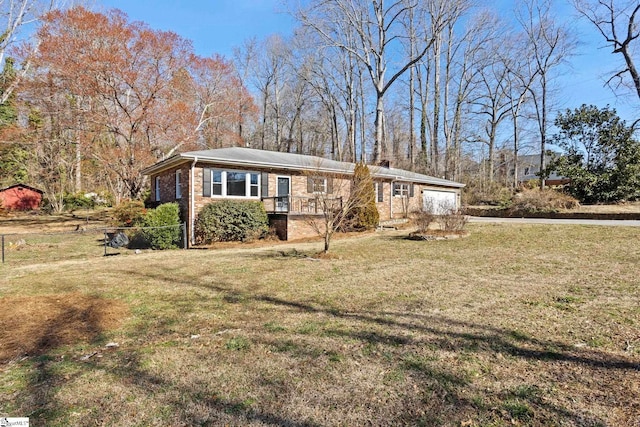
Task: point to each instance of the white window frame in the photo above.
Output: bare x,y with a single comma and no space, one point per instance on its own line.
379,187
157,188
288,178
248,185
251,186
403,187
315,180
178,184
221,183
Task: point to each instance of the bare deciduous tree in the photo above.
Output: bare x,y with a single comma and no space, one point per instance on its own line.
15,15
550,43
617,22
339,196
378,28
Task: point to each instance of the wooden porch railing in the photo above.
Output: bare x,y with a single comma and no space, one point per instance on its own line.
301,205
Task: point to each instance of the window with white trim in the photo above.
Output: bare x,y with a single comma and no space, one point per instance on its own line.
178,184
317,184
254,185
379,192
216,180
229,183
157,188
400,189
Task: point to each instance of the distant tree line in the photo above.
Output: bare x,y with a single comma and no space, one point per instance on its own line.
449,88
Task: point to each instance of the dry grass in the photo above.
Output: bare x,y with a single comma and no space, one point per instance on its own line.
627,207
516,324
537,200
29,222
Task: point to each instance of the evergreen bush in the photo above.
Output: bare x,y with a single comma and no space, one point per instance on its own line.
165,222
231,220
78,201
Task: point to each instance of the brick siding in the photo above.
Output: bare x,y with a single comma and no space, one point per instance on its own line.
298,226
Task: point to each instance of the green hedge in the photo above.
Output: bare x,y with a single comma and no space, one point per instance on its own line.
78,201
166,215
231,220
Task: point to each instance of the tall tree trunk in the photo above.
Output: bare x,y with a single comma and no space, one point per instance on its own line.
435,153
379,125
412,132
78,160
363,123
543,130
264,119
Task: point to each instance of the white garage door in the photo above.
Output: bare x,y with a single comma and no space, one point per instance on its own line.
439,202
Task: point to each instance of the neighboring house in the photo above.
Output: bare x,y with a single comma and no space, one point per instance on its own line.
20,197
529,168
288,184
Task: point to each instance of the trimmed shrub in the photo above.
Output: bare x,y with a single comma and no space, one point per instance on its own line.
231,220
537,200
129,213
166,231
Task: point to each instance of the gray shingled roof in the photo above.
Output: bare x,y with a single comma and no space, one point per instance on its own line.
249,157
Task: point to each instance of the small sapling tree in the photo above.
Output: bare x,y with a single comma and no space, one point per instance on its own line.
341,200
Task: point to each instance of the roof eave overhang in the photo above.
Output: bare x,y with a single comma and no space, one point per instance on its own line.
379,174
184,158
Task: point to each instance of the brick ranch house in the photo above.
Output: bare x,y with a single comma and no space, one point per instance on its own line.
20,197
288,185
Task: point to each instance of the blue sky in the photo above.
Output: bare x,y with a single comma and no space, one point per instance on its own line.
214,26
217,26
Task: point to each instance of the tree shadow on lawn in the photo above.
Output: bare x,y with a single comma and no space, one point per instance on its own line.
174,399
466,337
460,337
47,222
444,391
80,319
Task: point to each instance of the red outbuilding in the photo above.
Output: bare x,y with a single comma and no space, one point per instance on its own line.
20,197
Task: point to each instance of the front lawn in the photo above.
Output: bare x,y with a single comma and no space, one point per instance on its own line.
515,324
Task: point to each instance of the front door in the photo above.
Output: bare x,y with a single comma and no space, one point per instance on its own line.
282,195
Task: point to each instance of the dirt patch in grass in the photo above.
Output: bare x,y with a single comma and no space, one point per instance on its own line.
33,325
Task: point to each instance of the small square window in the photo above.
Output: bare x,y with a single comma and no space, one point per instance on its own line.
400,189
319,185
